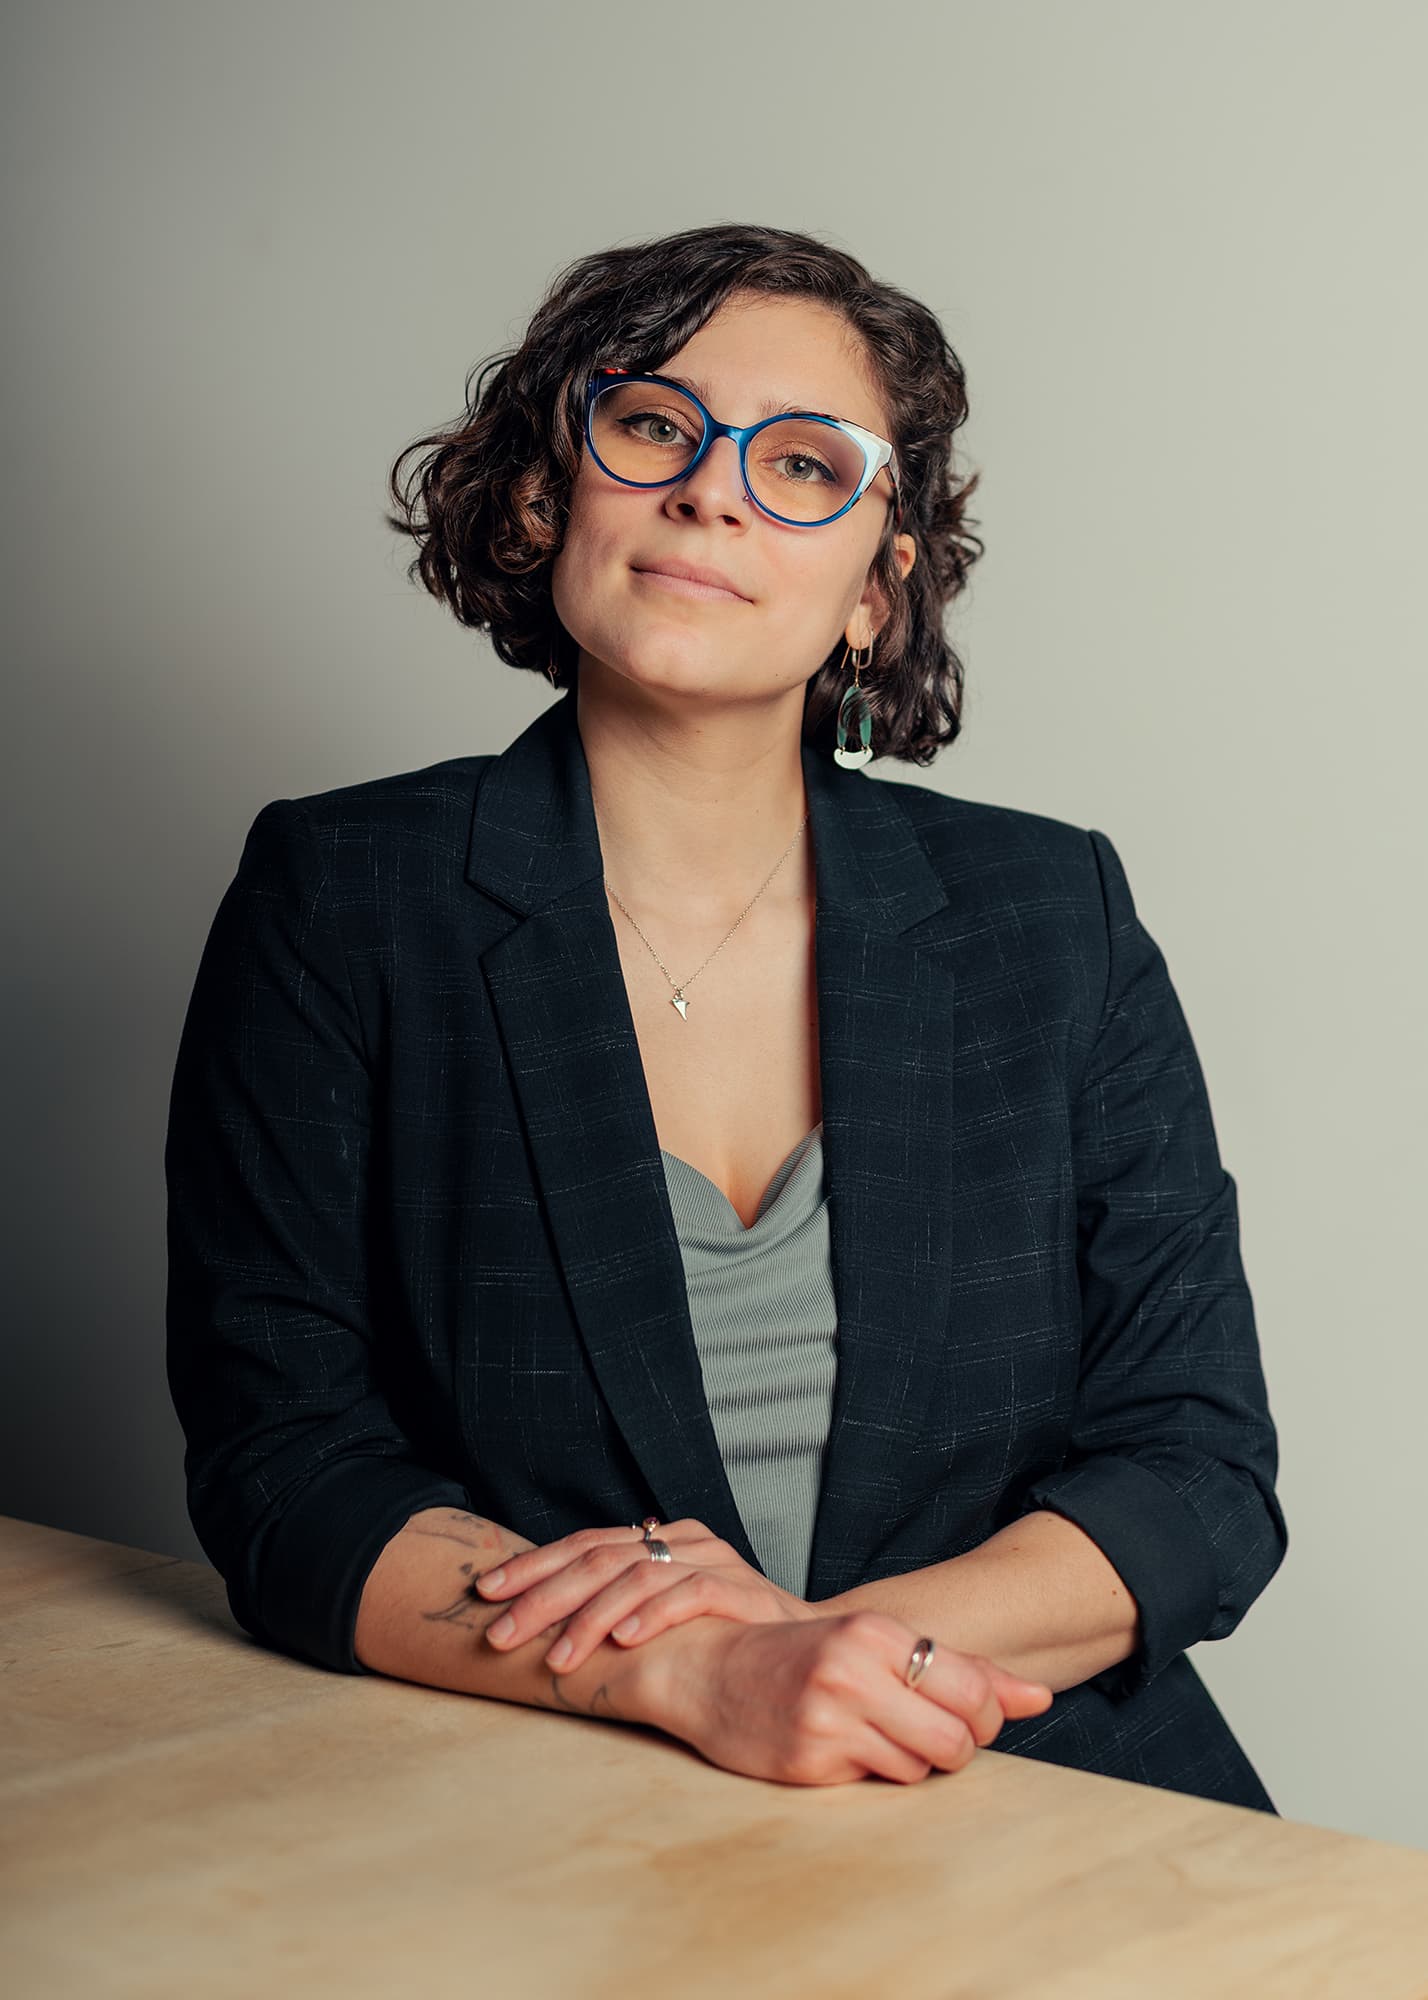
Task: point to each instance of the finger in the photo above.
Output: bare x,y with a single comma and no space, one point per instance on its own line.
961,1684
971,1685
946,1717
886,1758
558,1595
686,1529
962,1711
701,1595
921,1727
655,1600
528,1566
1018,1695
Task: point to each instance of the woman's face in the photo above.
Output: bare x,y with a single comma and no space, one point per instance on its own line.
802,590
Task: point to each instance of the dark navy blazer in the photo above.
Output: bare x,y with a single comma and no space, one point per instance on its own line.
421,1251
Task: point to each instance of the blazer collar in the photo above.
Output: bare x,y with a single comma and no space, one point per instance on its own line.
883,941
534,839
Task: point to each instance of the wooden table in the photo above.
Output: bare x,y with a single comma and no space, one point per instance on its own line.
185,1813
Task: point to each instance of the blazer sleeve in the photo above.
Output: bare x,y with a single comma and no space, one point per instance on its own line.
296,1473
1173,1455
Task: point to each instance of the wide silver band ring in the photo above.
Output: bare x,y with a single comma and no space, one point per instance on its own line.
921,1660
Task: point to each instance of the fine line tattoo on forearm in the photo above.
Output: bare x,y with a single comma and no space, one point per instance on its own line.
486,1543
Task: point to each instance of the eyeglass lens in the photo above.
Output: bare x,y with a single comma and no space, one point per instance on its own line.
647,433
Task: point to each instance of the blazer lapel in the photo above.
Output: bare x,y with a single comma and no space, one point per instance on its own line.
885,994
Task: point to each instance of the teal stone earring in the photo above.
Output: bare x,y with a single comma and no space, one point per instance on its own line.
854,709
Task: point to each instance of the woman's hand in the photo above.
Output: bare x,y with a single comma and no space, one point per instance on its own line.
827,1701
603,1578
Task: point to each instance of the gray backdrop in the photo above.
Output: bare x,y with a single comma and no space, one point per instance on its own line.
252,251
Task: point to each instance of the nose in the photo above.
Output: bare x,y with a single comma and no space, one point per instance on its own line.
716,483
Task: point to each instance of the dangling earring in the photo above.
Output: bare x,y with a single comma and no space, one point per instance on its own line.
854,708
550,674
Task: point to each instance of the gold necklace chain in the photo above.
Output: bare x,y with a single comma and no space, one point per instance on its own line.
678,1000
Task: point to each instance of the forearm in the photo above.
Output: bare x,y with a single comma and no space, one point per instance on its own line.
1038,1597
421,1620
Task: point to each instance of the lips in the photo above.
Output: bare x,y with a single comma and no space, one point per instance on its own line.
691,573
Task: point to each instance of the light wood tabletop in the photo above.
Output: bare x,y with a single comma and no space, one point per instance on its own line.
186,1813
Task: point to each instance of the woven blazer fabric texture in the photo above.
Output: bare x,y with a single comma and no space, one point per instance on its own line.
421,1250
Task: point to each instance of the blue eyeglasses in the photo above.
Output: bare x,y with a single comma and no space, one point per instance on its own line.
805,468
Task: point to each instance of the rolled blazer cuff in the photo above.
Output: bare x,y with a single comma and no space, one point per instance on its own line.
324,1548
1157,1546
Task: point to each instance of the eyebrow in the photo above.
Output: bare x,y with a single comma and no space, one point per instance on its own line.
769,409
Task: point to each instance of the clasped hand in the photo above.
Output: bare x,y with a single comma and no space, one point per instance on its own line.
604,1582
822,1705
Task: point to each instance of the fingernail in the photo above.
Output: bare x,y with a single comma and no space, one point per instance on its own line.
561,1650
626,1628
503,1627
492,1580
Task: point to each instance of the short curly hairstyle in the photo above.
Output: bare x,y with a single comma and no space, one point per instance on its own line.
488,503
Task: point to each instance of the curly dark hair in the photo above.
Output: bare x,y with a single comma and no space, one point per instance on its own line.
488,503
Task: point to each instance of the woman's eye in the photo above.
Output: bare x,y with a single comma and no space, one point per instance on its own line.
805,458
667,430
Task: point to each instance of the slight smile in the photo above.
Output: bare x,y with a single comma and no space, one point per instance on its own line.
686,587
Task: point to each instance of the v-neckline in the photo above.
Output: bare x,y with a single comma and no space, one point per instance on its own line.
762,1212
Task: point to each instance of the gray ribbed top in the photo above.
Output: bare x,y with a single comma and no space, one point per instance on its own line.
765,1324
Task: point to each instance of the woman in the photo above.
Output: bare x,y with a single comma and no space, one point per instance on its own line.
659,1125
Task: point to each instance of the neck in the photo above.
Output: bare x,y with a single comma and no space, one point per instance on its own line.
693,814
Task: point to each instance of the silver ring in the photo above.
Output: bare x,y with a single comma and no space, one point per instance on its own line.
659,1552
921,1660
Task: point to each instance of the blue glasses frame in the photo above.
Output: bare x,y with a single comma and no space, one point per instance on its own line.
877,452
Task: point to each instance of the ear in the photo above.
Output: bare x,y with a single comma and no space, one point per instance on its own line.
871,611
